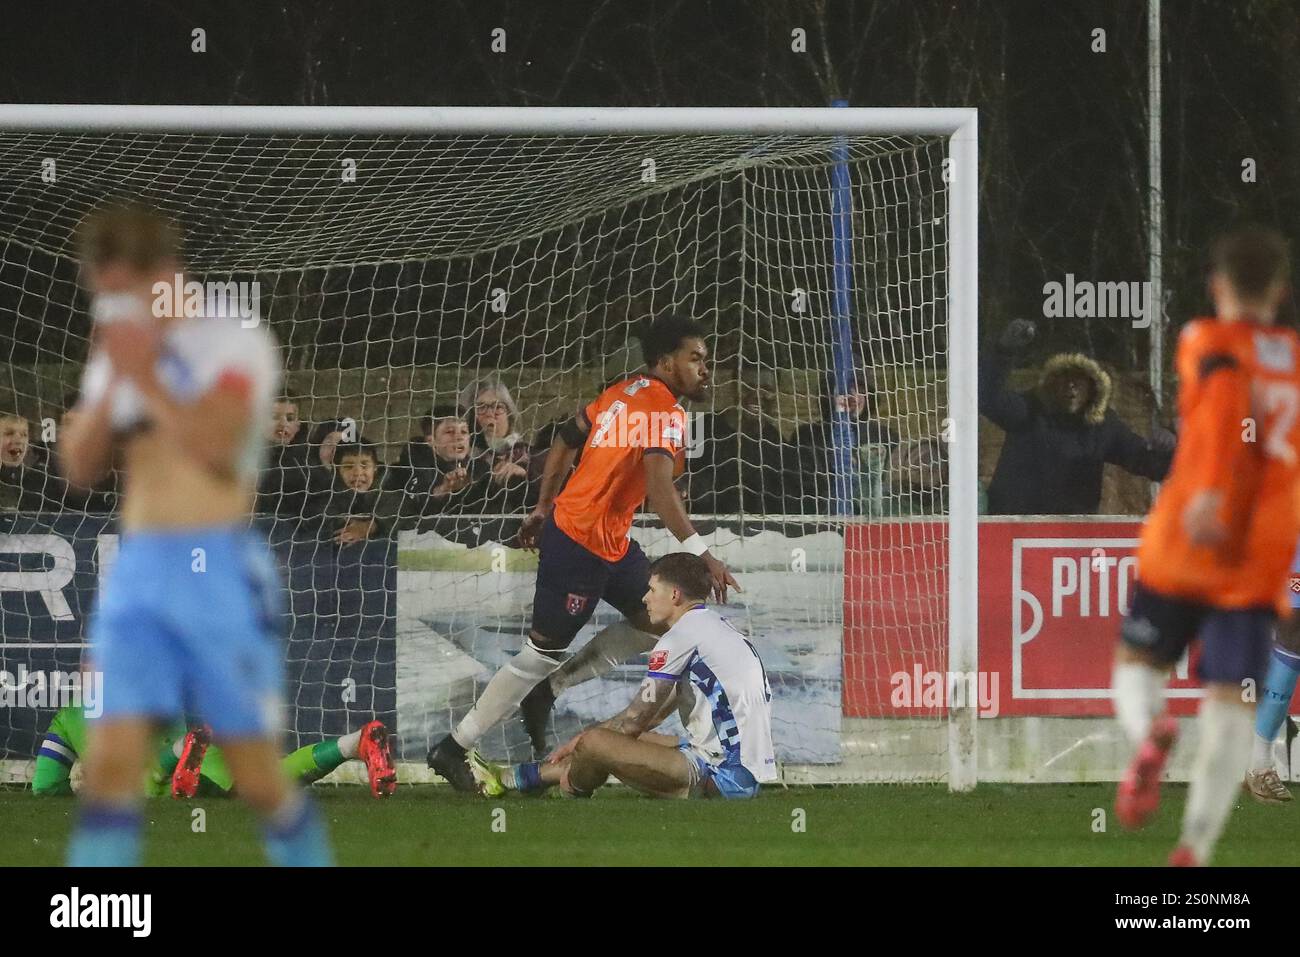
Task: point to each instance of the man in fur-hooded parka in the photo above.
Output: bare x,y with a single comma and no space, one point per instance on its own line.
1059,435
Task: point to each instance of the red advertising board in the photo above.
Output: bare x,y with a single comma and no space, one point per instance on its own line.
1052,595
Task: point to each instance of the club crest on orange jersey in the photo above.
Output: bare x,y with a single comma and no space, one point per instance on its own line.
1274,352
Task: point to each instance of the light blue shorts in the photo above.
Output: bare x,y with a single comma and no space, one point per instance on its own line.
188,623
731,778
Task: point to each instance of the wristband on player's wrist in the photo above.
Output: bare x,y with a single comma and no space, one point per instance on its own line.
695,544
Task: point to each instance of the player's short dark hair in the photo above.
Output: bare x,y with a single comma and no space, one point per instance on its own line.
665,334
355,448
437,414
1253,259
686,572
127,233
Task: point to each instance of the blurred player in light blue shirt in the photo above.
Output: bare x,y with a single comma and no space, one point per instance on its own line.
188,617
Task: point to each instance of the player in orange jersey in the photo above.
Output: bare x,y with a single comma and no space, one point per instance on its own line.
1216,549
633,439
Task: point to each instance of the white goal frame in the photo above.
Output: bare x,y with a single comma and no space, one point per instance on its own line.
959,125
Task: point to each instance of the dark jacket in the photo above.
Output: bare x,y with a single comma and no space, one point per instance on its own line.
809,464
419,470
734,469
38,486
30,488
345,504
514,493
286,482
1052,461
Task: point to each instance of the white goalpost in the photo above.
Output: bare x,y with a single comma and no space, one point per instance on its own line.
410,260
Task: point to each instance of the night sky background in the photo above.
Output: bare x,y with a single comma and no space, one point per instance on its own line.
1062,128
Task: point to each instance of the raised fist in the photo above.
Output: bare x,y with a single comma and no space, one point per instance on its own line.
1162,440
1017,336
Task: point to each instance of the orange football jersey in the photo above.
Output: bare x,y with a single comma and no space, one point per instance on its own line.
1238,401
629,419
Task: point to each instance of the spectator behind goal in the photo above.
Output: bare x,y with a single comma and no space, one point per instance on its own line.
810,461
358,507
490,413
1059,435
740,460
26,484
283,485
436,474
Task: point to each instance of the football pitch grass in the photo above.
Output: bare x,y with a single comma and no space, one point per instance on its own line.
864,825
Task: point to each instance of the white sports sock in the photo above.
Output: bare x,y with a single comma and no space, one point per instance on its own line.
607,650
501,697
1221,759
1138,691
288,811
1261,758
349,745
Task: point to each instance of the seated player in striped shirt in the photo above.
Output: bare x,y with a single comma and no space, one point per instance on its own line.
704,669
188,765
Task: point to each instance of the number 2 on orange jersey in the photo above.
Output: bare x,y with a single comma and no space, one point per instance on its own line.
1280,402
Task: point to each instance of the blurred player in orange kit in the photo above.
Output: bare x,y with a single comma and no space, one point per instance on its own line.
1216,549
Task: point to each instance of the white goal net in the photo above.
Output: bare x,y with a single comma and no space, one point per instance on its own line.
444,298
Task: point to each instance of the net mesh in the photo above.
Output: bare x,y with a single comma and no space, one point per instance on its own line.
474,274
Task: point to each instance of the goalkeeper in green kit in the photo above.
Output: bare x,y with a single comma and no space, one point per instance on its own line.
187,765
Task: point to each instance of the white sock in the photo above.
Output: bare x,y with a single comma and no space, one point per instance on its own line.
1261,758
178,746
501,697
1138,692
607,650
1221,759
288,811
349,745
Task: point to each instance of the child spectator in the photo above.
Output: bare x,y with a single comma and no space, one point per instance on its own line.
282,487
436,473
358,508
25,483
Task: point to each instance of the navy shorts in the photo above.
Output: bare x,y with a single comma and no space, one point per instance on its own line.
571,580
1235,643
